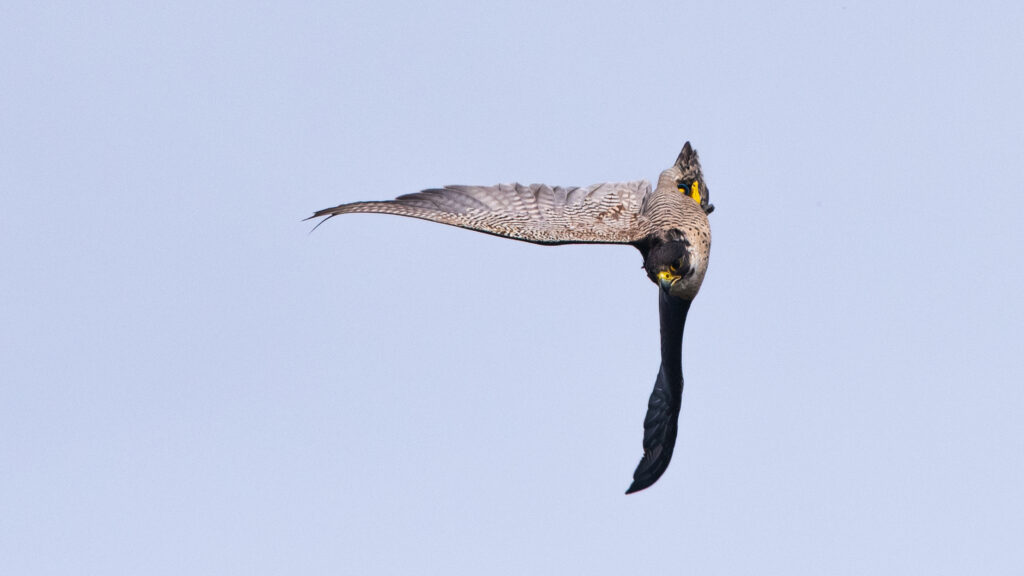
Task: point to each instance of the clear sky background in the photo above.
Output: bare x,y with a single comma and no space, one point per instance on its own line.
192,383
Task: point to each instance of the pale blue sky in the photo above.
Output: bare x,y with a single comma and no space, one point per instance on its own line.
194,384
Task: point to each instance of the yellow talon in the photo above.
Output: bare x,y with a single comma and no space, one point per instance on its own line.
694,192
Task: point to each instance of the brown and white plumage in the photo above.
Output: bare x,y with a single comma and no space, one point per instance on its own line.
538,213
669,226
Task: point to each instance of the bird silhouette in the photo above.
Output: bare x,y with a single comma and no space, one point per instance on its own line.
669,226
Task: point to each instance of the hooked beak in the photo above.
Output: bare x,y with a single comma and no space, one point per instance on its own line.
666,279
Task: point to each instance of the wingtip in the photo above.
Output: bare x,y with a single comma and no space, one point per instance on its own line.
318,215
634,488
646,476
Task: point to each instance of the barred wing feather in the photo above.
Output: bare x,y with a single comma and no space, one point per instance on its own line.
611,213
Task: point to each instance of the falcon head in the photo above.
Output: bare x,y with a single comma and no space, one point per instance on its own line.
668,265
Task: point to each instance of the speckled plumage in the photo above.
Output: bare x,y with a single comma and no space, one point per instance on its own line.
668,226
538,213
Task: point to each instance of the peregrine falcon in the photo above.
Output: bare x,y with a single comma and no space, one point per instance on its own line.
669,226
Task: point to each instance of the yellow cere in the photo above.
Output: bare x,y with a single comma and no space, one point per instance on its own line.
666,275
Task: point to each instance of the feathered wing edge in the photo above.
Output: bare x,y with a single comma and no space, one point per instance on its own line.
662,421
607,213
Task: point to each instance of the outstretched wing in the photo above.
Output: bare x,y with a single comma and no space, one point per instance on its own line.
662,421
603,213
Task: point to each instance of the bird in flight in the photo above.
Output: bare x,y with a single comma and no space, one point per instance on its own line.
669,226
